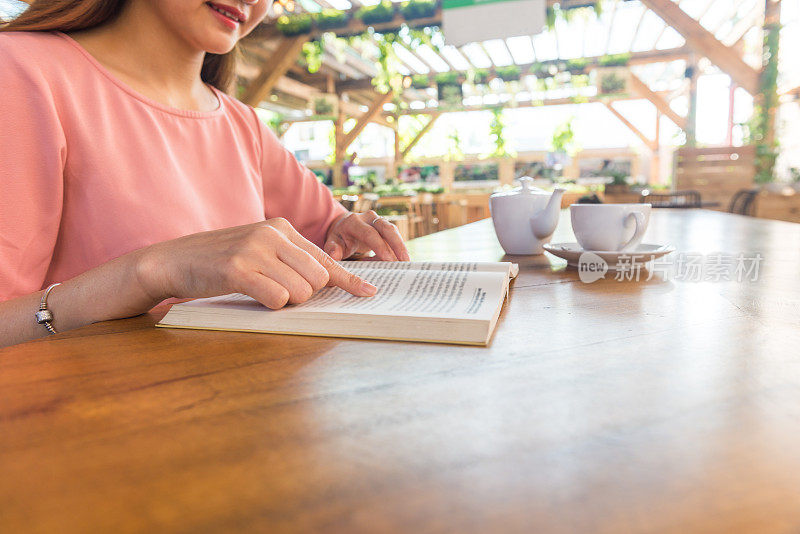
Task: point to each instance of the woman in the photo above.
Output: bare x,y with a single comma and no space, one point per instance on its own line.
127,174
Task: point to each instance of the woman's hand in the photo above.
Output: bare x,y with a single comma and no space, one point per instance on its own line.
359,233
269,261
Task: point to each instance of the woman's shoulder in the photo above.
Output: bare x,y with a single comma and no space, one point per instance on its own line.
240,112
31,47
34,54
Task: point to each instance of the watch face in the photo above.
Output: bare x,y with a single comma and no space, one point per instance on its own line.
44,316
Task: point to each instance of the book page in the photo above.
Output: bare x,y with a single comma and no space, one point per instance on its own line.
483,266
455,292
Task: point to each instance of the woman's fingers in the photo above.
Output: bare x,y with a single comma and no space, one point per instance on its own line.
370,236
305,265
337,275
297,286
262,288
391,235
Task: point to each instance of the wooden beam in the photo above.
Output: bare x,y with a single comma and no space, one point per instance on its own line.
646,140
419,136
704,42
637,58
338,150
282,59
528,104
641,88
374,110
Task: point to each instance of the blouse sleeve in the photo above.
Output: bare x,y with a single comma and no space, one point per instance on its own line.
293,192
32,158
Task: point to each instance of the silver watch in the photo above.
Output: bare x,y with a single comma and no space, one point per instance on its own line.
44,316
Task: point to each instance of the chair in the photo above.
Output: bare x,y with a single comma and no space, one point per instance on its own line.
425,220
676,199
743,202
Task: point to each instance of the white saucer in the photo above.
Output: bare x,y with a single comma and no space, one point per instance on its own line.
640,255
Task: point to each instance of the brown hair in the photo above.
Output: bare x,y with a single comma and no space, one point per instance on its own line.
218,70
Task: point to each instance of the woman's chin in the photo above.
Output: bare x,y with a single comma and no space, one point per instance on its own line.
218,44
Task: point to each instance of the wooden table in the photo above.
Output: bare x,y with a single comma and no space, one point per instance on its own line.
657,406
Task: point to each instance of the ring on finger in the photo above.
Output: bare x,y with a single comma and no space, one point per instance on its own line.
376,219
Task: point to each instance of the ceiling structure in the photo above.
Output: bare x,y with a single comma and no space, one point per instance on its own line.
659,53
668,43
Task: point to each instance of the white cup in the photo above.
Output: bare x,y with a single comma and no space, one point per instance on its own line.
609,227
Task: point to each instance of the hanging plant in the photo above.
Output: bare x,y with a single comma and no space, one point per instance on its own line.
764,108
377,14
563,140
577,66
290,25
312,54
421,36
329,19
480,76
322,106
540,70
497,133
612,81
418,9
557,12
420,81
508,74
388,78
449,89
454,151
614,60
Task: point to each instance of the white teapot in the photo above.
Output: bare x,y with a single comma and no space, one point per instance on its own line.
526,217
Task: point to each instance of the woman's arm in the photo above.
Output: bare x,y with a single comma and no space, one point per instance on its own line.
111,291
269,261
292,191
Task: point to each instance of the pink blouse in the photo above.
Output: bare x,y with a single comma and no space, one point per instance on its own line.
91,170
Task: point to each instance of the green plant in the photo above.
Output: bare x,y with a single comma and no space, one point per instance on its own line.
418,9
563,139
611,83
540,70
328,19
322,106
614,60
290,25
618,177
388,77
420,81
447,78
480,76
764,109
557,12
497,134
577,66
508,74
579,80
376,14
450,92
312,53
454,152
476,172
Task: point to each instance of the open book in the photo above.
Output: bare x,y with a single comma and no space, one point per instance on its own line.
440,302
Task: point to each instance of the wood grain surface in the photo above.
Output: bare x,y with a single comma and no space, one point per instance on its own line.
666,405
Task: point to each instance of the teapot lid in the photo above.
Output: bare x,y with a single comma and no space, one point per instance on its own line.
526,188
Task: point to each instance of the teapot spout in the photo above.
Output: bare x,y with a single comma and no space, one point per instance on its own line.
544,223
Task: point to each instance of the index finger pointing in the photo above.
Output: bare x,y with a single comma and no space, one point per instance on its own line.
341,277
338,275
